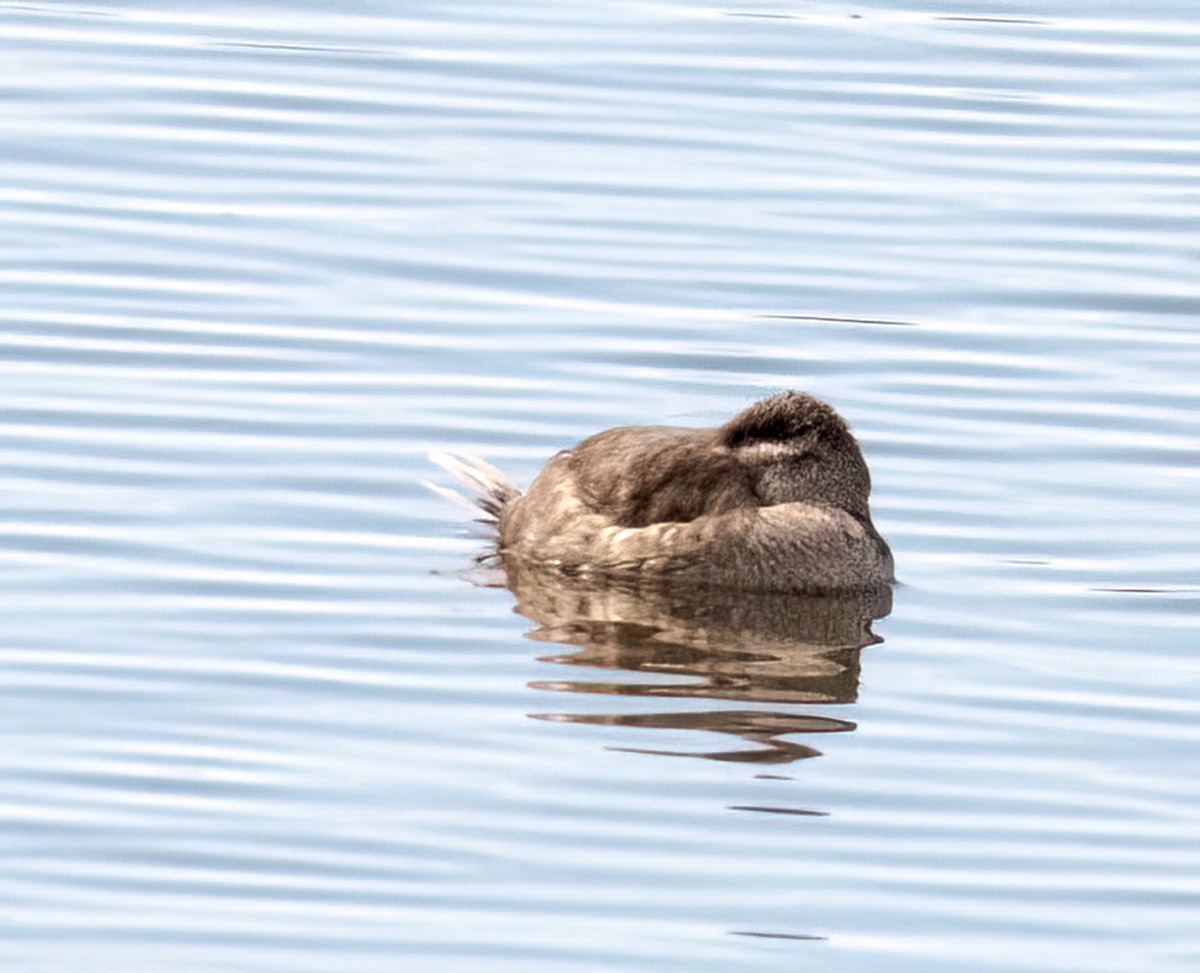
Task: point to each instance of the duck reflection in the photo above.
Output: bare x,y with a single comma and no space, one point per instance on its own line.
749,647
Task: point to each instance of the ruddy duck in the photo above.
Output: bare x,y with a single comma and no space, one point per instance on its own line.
774,500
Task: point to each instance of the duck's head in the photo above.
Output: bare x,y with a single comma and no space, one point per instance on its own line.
799,449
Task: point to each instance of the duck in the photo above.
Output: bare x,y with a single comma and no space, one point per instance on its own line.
774,500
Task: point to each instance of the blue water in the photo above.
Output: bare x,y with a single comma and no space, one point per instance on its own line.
258,261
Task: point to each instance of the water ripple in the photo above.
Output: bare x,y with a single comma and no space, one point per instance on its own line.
259,262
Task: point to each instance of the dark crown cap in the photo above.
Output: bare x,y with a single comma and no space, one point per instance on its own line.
782,417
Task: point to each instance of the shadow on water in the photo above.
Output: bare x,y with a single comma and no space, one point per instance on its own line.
777,651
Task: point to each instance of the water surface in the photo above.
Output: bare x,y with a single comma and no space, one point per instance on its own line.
257,262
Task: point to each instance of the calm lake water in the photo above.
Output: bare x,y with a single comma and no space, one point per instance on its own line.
259,260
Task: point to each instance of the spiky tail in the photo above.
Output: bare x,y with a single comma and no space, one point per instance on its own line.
490,490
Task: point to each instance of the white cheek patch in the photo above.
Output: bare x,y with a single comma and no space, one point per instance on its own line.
769,449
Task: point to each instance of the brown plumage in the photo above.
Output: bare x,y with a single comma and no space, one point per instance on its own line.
775,499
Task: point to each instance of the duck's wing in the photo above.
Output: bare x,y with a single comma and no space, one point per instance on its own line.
641,475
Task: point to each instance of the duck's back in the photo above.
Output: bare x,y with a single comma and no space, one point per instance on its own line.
643,475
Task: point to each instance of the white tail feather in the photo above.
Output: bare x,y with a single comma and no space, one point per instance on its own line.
470,470
490,489
453,496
